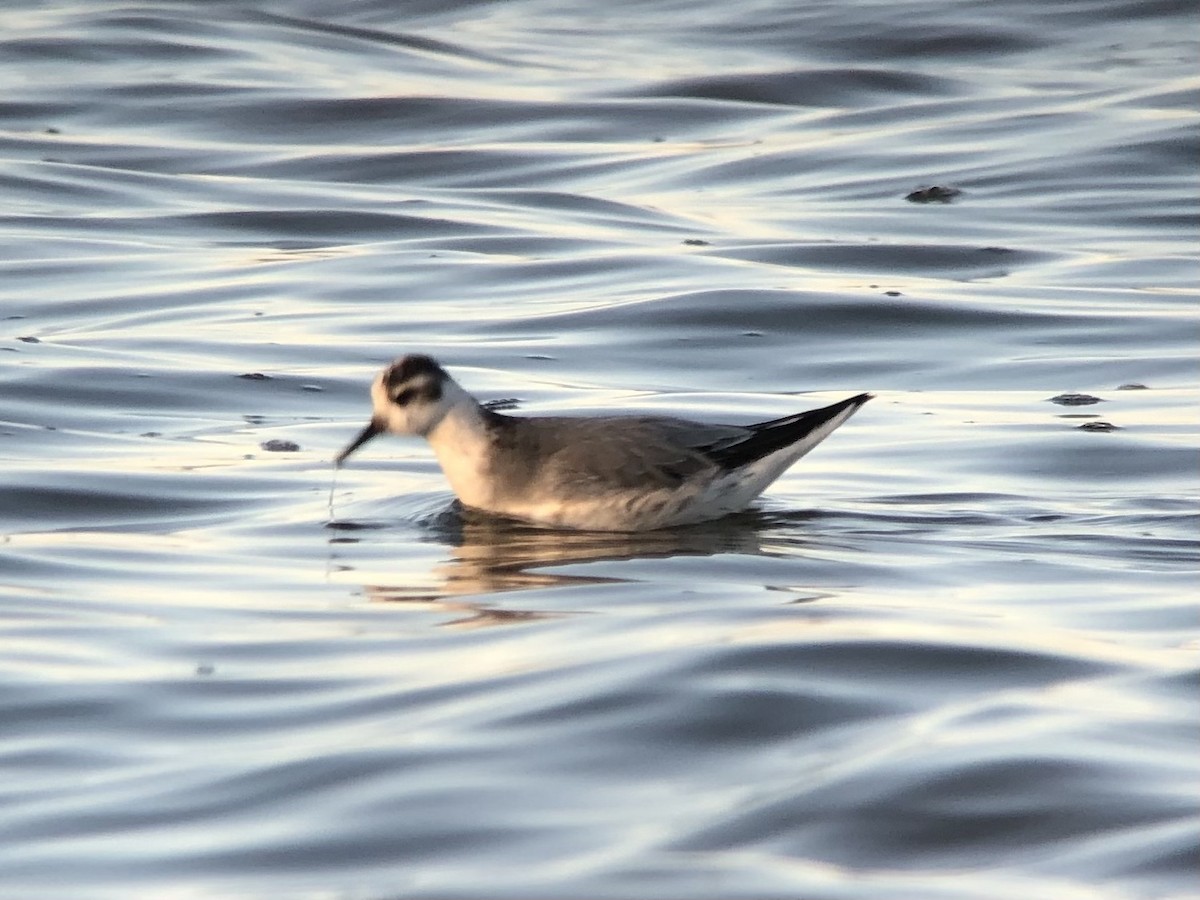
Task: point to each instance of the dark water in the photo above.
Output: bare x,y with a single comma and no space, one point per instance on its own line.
953,654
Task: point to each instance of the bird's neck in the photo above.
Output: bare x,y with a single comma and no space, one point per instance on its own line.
461,440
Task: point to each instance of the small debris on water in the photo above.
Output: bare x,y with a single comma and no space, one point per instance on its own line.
1076,400
350,525
695,242
1132,386
1099,426
30,339
935,193
276,445
255,376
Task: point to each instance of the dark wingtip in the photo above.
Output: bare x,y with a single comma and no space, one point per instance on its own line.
851,403
770,436
856,401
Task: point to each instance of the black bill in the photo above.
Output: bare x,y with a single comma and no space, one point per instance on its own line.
373,428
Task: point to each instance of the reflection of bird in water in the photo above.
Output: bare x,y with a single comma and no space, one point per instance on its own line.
605,473
491,555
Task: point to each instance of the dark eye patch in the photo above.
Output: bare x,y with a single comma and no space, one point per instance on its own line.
410,368
426,393
414,378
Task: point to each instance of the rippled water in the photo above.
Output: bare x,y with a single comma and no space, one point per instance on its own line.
951,654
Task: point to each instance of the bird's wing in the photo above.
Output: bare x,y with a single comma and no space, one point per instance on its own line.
801,432
567,455
631,452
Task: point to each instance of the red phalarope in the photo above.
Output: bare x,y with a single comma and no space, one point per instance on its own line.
602,473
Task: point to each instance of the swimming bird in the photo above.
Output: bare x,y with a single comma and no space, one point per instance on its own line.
599,473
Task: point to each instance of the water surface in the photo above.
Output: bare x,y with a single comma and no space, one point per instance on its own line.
953,653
